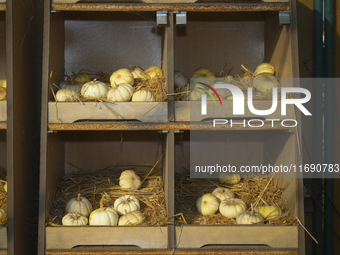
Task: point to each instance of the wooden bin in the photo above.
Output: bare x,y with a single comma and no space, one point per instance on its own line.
92,150
239,38
104,41
255,148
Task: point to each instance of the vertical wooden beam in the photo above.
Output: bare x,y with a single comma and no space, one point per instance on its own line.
44,127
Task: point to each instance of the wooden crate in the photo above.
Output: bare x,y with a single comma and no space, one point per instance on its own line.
95,150
247,39
99,41
248,148
3,111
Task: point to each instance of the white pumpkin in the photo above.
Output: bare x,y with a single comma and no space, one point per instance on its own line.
137,72
66,95
228,79
106,216
180,79
82,78
222,92
126,204
153,72
80,205
94,89
196,95
269,211
265,82
74,219
122,93
230,178
132,218
74,85
265,68
143,96
204,75
247,217
207,204
129,180
230,207
223,193
123,75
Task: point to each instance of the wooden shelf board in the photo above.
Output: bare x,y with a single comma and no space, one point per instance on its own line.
156,126
201,7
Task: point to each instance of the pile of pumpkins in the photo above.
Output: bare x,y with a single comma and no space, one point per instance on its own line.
3,89
125,210
120,89
223,199
263,81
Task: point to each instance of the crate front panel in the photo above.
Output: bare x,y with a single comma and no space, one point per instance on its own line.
3,111
191,237
3,150
3,237
104,42
70,151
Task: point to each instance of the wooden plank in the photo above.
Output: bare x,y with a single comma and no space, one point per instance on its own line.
191,111
177,252
202,7
3,238
155,126
278,237
143,237
64,112
3,111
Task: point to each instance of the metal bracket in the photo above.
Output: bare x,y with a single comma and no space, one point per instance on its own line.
178,131
51,131
162,18
164,131
181,18
284,18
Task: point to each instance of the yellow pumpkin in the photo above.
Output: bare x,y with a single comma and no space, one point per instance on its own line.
230,178
132,218
123,75
3,83
3,93
207,204
269,211
153,72
82,77
204,75
265,68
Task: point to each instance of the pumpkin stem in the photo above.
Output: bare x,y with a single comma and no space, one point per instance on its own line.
252,209
76,216
101,204
78,199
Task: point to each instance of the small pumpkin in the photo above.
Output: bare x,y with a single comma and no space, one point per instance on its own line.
122,93
123,75
129,180
153,72
230,207
82,78
132,218
94,89
180,79
196,95
269,211
3,83
80,205
222,92
207,204
230,178
106,216
143,96
204,75
126,204
137,72
223,193
265,68
74,219
249,217
228,78
66,95
265,82
74,85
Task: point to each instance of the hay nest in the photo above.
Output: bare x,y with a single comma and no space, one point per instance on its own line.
188,190
3,196
94,184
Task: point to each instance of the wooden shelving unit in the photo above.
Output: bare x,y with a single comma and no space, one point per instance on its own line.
251,31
